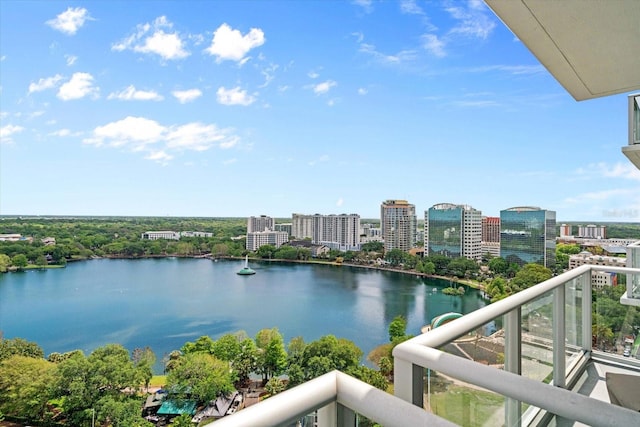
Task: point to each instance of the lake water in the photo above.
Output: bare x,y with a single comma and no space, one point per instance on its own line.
162,303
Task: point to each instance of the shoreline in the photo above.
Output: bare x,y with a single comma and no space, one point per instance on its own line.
475,285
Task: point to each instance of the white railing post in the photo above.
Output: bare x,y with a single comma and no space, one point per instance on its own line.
559,335
408,381
513,360
346,417
328,415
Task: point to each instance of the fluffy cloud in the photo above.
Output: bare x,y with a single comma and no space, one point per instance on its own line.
45,83
131,94
198,137
80,85
434,45
70,21
184,96
152,38
140,134
230,44
135,132
234,96
7,131
324,87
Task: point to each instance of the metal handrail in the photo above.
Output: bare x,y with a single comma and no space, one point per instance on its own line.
334,387
422,352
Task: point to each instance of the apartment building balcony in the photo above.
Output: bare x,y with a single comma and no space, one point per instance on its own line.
550,367
632,151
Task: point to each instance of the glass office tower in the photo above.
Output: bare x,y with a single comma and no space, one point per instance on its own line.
528,235
453,231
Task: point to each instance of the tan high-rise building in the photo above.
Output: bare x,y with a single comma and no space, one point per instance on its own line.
398,222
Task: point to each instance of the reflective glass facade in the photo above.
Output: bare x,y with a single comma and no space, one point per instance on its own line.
445,232
527,235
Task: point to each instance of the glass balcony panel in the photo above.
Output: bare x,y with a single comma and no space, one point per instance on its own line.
482,345
462,403
537,338
573,319
615,326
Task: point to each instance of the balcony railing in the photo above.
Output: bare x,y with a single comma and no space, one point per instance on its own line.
338,398
547,342
546,334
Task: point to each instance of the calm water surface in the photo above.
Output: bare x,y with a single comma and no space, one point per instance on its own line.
162,303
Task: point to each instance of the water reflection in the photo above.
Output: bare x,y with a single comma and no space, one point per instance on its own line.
162,303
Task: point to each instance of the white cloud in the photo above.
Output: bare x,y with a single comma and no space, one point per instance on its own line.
340,202
70,21
152,38
324,87
234,96
598,195
61,132
474,21
135,132
313,74
159,156
619,170
7,131
45,83
195,136
434,45
131,94
71,59
362,91
80,85
184,96
400,57
268,73
364,4
139,134
410,7
230,44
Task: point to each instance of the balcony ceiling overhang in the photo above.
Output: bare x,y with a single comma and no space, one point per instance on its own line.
591,47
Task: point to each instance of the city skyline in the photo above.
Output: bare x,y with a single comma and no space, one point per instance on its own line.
234,109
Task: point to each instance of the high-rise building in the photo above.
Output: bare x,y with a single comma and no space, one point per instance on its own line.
491,236
260,223
340,232
528,235
565,230
490,229
283,227
255,239
453,231
398,222
592,231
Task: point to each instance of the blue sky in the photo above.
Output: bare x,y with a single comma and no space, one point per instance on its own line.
239,108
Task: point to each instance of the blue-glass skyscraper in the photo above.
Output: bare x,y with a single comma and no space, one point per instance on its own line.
528,235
